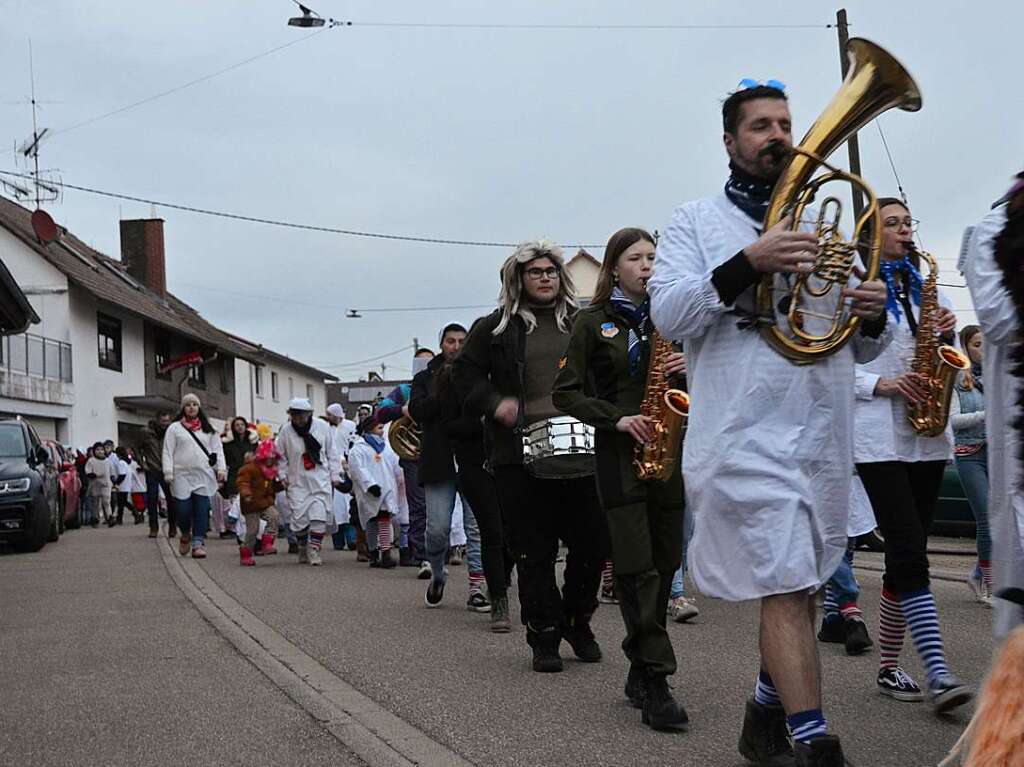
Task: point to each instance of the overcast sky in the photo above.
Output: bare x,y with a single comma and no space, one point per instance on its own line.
462,133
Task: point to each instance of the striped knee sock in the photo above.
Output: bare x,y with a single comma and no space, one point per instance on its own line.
384,532
316,540
923,619
805,726
852,611
302,539
765,693
607,576
830,606
476,583
892,628
986,571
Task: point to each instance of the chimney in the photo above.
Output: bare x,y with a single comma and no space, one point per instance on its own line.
142,252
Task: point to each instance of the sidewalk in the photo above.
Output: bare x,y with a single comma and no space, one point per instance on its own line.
104,662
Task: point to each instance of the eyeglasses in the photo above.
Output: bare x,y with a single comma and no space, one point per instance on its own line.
894,222
747,83
535,273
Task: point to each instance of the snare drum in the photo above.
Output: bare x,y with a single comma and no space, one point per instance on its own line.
558,448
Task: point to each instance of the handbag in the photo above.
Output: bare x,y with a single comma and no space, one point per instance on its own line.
209,456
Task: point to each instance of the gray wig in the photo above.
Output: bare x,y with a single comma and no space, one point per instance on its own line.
510,300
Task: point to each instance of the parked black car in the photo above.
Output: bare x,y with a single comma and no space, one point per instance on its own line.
29,489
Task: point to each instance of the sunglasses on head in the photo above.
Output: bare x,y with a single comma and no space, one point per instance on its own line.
747,83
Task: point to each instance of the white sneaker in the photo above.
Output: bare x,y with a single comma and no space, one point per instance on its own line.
314,557
981,590
682,609
425,573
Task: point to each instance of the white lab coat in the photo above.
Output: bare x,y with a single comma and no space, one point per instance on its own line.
310,491
999,325
342,441
367,468
882,431
862,516
767,458
186,467
402,515
124,470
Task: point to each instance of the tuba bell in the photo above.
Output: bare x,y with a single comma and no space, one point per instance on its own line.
818,319
404,438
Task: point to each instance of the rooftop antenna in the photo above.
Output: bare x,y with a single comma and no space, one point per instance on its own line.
45,190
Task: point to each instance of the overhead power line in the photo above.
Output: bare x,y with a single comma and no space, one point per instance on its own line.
288,224
571,27
183,86
357,363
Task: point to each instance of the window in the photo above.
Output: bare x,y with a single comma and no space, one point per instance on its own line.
197,375
226,364
275,394
108,334
258,376
309,395
291,387
161,354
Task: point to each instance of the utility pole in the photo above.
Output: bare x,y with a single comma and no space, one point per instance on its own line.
853,145
415,345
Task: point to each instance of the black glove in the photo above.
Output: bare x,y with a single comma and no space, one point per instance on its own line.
374,490
90,475
344,485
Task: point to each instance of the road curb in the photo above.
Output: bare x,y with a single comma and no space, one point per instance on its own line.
374,734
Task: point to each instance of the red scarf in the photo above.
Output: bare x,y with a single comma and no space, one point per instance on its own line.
192,424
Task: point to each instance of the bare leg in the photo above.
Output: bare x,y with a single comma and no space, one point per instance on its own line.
789,652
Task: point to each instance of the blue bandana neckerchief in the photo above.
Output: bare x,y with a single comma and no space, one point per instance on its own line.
748,193
377,443
637,318
889,269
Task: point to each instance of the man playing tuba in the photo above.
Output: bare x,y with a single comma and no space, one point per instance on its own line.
767,456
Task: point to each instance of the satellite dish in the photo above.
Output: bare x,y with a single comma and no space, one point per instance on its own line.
44,227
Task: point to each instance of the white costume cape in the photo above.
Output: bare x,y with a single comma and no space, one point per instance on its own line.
768,452
999,326
367,468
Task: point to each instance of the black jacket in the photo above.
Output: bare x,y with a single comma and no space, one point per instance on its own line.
234,459
447,431
488,369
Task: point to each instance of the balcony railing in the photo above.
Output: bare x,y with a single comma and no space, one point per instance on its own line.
36,356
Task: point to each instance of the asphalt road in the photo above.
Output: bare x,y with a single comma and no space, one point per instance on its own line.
103,661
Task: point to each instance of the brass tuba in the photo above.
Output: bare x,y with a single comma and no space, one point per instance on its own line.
404,438
875,82
938,365
669,409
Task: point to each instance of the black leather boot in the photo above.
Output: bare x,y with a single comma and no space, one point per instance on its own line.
661,711
765,737
544,644
636,686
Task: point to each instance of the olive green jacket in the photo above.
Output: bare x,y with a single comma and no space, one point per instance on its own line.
594,384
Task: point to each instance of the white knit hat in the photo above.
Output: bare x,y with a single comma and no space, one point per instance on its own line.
336,410
191,398
300,404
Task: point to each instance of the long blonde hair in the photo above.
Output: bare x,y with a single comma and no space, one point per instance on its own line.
510,299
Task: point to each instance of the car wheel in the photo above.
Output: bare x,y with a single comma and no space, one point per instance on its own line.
37,541
53,529
61,524
76,521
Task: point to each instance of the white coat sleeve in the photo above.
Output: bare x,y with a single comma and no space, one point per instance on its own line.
864,383
167,459
984,278
217,448
359,471
334,455
282,462
684,302
866,348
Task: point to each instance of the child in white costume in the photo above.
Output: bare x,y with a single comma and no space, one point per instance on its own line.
375,476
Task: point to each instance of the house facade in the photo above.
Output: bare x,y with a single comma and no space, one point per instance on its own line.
263,390
113,347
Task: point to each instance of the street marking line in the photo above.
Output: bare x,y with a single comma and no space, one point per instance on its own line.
374,734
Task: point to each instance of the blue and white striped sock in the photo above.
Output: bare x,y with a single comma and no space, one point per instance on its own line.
765,693
805,726
923,619
830,607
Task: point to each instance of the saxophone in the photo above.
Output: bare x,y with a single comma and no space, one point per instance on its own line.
669,409
937,364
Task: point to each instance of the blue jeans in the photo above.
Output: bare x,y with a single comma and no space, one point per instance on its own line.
842,588
87,510
154,481
440,498
678,589
194,517
973,470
